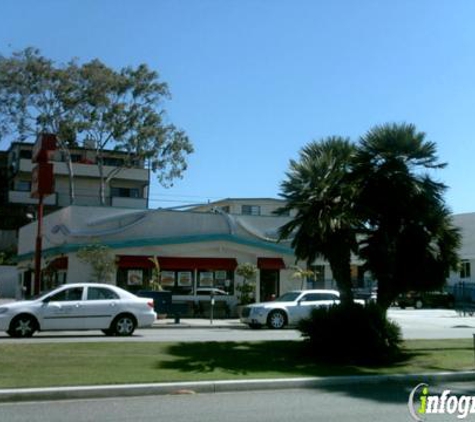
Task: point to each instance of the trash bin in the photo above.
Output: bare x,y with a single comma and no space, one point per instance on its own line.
162,300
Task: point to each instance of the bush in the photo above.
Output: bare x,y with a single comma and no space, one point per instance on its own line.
352,334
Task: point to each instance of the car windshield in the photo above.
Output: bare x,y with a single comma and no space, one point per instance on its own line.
43,294
288,297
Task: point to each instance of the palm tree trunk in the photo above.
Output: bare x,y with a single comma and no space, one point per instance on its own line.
341,269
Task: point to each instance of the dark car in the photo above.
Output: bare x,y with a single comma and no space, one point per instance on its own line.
420,300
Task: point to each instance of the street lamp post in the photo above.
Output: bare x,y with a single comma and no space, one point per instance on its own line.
42,184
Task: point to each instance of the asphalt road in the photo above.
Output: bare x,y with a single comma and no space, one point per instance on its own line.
415,324
357,403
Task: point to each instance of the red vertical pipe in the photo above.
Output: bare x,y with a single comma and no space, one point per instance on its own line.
37,286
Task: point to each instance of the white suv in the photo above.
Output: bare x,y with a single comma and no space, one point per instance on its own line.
288,309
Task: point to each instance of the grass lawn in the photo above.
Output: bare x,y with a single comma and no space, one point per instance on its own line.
61,364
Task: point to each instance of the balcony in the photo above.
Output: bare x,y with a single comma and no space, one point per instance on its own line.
92,171
89,170
21,197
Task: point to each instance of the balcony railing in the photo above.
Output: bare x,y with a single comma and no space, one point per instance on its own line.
90,170
22,197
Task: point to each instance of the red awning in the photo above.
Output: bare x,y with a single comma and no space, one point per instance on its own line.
134,261
270,263
175,263
178,263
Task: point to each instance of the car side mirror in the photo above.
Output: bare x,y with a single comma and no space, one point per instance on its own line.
46,300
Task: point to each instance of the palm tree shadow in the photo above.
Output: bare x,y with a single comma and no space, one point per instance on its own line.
283,359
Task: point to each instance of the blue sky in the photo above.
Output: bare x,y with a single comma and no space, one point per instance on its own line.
253,81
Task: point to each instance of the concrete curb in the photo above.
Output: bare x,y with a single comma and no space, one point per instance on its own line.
207,387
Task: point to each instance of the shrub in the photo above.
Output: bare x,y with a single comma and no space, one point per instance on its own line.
352,334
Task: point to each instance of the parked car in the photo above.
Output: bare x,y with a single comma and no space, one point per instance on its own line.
207,291
87,306
289,308
420,300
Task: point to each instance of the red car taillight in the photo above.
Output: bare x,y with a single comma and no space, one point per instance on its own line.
151,304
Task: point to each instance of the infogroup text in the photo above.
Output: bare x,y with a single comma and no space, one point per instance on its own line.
444,403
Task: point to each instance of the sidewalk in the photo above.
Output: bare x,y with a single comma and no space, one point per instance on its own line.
198,323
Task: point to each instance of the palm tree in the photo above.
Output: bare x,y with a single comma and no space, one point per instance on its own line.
324,225
409,241
302,275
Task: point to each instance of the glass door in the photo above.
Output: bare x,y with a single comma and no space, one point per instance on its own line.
270,281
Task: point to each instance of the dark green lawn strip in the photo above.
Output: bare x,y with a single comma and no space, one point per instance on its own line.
61,364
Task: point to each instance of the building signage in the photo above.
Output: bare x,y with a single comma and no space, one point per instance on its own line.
42,181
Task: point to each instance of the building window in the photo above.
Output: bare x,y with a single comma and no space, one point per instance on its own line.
465,269
113,161
220,279
226,209
125,192
23,186
26,153
250,210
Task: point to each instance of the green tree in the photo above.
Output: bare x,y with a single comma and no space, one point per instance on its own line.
409,241
302,275
94,105
123,110
36,96
324,224
8,256
248,272
101,259
156,275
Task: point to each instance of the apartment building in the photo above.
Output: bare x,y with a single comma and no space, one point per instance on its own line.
243,206
128,188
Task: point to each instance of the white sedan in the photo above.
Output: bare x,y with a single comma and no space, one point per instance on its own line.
87,306
289,308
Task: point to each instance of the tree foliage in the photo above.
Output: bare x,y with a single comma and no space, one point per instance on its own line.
248,272
410,242
101,259
95,105
302,275
324,223
376,200
352,335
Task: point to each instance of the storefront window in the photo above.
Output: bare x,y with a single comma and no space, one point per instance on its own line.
180,279
220,279
179,282
134,279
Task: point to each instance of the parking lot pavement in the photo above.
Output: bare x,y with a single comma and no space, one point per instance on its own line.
414,323
432,323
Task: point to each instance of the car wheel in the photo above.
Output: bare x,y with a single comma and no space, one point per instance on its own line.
277,319
124,325
419,304
23,326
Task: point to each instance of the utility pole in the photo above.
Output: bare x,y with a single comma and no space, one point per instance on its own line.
42,184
